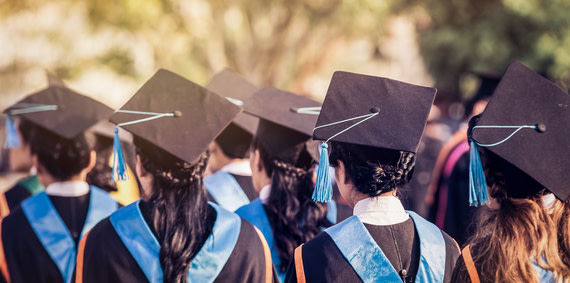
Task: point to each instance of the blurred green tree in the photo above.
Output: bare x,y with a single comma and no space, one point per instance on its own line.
461,36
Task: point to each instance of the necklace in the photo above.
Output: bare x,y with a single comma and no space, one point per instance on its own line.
403,272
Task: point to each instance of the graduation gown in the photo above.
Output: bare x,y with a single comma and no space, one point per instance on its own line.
391,248
39,238
12,198
231,186
256,215
230,191
236,253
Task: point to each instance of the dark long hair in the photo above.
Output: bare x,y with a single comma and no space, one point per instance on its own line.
179,211
374,171
295,218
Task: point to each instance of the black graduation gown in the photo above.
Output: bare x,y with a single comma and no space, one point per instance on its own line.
106,259
343,211
459,216
26,258
323,261
16,195
460,274
19,192
246,185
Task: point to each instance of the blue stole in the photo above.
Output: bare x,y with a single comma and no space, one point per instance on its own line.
135,234
255,214
367,259
52,231
543,274
225,190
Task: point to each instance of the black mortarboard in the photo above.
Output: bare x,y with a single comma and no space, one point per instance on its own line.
398,112
235,139
236,89
370,111
527,124
183,117
60,110
283,124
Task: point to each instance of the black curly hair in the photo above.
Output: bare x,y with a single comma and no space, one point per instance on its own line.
372,170
180,214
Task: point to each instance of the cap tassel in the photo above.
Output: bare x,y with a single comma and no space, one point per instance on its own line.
12,139
119,165
323,189
477,182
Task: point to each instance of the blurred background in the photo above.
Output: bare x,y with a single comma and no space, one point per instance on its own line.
107,49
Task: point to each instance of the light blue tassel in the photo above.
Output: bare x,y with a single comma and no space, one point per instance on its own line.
477,182
12,139
119,165
323,188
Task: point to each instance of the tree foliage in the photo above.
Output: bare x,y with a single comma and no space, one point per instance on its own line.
286,44
463,36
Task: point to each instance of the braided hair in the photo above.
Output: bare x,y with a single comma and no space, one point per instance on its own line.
374,171
179,212
295,218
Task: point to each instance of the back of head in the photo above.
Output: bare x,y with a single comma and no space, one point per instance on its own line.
177,193
234,142
373,171
293,215
62,158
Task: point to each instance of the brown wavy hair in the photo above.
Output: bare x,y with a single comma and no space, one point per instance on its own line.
517,233
561,214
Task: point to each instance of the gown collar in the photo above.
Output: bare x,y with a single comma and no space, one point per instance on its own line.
241,168
381,210
68,189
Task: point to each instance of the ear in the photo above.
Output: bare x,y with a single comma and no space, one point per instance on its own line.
139,168
258,162
92,160
340,172
39,167
145,178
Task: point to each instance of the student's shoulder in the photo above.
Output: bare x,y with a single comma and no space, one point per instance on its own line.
101,232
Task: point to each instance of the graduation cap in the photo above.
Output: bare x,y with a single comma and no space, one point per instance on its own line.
59,110
286,122
370,111
174,114
236,89
526,124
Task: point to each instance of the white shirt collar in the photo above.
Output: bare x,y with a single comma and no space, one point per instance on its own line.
68,189
386,210
241,168
264,194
